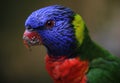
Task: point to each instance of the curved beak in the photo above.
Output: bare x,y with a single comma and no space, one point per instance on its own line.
31,38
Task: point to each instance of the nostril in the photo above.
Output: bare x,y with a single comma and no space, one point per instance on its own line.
29,28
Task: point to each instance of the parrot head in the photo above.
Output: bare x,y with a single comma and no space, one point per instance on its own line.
56,27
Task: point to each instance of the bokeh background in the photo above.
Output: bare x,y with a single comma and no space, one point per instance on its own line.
19,65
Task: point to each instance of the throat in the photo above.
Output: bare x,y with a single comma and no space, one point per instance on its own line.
64,47
67,70
60,51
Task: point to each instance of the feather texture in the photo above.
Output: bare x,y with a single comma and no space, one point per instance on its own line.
67,70
72,56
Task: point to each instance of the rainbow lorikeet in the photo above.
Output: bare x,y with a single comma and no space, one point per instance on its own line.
72,56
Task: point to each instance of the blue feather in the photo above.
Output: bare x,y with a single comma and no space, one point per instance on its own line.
59,40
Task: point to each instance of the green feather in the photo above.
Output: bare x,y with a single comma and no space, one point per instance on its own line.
104,70
104,67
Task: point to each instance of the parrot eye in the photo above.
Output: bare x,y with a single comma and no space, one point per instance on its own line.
50,23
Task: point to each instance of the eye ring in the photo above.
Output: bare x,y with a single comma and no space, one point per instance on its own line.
50,23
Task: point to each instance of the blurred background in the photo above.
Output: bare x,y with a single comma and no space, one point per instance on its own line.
19,65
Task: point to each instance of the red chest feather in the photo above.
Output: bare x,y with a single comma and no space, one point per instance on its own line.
64,70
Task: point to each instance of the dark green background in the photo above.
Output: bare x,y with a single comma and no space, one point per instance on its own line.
19,65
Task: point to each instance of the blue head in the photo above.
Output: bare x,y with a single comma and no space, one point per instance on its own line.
54,26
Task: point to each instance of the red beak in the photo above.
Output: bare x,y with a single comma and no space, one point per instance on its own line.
31,38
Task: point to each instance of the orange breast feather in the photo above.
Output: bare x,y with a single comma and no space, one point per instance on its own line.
67,70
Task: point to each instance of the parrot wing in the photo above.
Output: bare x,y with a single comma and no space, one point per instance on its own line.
104,70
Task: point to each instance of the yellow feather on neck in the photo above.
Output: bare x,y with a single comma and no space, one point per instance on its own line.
79,27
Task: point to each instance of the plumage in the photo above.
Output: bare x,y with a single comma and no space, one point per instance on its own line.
72,56
64,70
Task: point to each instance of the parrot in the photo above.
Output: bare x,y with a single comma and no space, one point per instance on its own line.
72,56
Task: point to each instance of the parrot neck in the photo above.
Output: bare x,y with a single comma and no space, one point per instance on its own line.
90,50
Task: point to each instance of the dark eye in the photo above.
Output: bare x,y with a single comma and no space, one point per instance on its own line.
50,23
